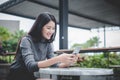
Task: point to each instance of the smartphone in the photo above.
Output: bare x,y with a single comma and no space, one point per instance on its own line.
76,50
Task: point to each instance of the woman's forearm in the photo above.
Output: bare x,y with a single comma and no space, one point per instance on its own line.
48,62
63,65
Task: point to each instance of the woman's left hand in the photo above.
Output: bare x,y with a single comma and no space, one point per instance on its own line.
79,58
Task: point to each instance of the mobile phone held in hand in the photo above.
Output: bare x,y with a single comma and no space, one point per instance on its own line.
76,50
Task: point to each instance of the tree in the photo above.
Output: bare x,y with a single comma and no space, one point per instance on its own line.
92,42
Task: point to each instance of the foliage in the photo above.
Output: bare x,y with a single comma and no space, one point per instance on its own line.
10,45
18,34
9,42
7,59
12,42
99,61
92,42
114,59
4,33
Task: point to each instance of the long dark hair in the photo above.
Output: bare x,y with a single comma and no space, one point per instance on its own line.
36,30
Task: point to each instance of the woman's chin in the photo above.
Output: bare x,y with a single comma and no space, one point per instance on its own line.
48,38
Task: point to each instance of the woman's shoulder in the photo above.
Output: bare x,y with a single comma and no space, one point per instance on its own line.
25,41
26,38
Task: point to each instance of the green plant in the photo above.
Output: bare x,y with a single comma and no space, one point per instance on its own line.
100,61
4,33
10,45
7,59
12,42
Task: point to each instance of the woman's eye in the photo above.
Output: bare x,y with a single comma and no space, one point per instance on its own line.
53,28
48,27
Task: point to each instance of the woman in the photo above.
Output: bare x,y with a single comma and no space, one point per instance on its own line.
36,50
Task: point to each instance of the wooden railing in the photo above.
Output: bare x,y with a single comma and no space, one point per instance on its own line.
88,50
10,55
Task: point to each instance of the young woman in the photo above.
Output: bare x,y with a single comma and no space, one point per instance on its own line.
36,50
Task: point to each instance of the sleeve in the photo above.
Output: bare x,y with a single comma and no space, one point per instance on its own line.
28,55
50,54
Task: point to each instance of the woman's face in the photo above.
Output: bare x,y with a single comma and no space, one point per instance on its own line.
48,30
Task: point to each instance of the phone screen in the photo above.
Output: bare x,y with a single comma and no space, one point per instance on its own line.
76,50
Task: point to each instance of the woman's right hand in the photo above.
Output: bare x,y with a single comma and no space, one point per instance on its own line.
67,58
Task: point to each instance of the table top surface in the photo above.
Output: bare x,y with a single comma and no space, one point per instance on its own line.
76,71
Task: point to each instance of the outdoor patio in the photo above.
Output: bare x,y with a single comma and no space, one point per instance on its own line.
80,14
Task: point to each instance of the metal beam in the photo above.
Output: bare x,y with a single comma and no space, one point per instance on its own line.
9,4
104,36
63,18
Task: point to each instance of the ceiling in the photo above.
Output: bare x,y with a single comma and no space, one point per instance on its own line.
85,14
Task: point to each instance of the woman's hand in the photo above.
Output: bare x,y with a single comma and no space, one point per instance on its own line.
67,58
79,58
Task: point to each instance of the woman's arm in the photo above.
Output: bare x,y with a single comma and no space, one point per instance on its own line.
64,59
